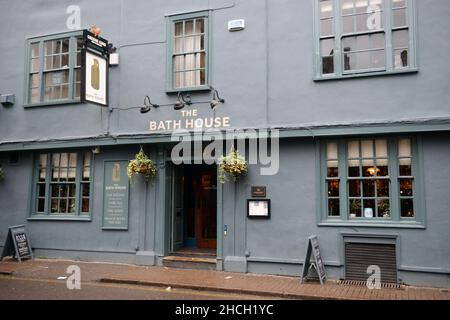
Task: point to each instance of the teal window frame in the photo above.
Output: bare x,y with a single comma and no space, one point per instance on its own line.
47,215
395,220
72,36
170,29
388,29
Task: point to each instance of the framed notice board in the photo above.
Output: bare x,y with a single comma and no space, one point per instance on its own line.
115,195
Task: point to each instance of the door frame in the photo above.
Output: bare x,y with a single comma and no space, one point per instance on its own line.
170,208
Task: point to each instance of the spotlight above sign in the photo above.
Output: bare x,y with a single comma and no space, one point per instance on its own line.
94,68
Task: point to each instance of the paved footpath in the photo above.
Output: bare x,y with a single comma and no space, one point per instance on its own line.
261,285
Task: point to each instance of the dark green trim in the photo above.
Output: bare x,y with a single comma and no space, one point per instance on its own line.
366,75
339,72
72,59
47,215
170,20
394,220
432,125
39,217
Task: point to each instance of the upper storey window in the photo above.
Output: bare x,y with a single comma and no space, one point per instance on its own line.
363,37
188,52
53,69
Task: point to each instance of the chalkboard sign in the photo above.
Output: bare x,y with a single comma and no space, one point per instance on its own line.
17,244
115,195
317,264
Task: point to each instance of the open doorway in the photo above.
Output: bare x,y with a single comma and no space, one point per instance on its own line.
194,214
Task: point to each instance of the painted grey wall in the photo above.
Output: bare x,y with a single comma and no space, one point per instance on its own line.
274,246
265,72
262,88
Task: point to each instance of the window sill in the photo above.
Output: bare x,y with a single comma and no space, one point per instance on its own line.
58,218
373,224
51,103
194,89
366,75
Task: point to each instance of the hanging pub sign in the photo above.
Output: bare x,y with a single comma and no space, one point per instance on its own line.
17,244
94,69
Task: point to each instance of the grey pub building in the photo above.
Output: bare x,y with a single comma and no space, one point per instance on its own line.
351,97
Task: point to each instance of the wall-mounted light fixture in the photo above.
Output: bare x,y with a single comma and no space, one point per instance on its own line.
148,105
96,150
182,101
216,99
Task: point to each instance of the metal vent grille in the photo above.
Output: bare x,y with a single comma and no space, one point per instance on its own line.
359,256
364,284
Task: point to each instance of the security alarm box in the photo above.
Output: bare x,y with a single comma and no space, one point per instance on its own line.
236,25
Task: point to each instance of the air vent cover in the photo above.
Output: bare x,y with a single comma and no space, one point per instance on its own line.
359,256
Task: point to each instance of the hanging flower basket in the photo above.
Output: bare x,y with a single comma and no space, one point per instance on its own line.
232,166
143,165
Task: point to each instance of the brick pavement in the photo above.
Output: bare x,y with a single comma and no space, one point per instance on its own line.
265,285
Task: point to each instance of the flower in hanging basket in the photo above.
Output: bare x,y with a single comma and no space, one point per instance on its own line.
232,166
141,164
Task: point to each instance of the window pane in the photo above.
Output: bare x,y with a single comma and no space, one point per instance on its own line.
85,205
355,188
361,6
400,39
333,207
200,26
178,28
189,27
381,148
399,18
407,208
378,59
368,188
368,168
85,190
332,169
326,27
332,151
382,167
406,187
348,24
347,6
65,45
327,49
333,188
179,80
34,95
398,3
35,65
355,61
353,168
353,149
405,167
34,50
404,148
384,210
401,58
41,205
383,188
367,148
369,208
178,45
355,208
326,9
